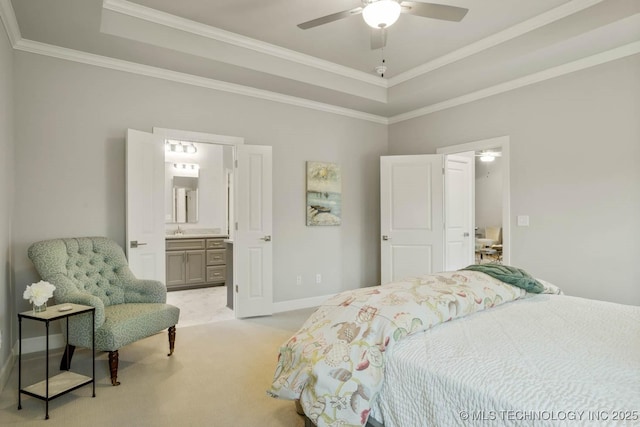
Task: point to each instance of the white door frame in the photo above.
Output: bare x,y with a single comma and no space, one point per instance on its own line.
187,135
503,142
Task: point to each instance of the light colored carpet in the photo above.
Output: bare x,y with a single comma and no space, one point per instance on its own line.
217,377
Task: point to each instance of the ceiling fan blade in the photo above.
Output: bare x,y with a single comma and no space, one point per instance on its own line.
378,38
330,18
435,11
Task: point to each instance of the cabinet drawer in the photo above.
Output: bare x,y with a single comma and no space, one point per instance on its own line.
216,274
216,257
215,243
184,244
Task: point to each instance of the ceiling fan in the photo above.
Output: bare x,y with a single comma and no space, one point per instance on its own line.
380,14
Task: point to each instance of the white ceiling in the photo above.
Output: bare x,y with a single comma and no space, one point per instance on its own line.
254,47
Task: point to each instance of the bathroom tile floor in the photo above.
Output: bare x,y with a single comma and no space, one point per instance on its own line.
203,305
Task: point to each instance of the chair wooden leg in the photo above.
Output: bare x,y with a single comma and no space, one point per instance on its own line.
113,367
172,339
65,363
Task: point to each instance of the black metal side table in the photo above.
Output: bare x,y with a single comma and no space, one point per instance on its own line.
66,381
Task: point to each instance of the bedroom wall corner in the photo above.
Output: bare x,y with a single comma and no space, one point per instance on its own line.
7,308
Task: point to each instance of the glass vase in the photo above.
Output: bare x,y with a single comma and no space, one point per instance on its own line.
39,308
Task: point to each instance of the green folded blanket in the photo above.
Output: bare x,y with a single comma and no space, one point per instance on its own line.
511,275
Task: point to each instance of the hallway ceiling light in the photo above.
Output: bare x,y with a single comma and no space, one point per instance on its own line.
488,155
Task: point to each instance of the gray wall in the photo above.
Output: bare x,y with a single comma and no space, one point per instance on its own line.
575,156
70,126
6,197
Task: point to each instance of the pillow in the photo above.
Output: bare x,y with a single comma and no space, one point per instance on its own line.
550,288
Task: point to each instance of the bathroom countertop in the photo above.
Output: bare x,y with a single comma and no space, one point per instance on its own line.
195,236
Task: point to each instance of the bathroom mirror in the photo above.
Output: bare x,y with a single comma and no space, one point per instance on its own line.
183,206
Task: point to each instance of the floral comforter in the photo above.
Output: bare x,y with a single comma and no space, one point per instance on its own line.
335,363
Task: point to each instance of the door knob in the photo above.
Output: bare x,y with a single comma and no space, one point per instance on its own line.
385,237
266,238
465,234
135,244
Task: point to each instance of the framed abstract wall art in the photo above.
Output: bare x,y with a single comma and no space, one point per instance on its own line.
324,194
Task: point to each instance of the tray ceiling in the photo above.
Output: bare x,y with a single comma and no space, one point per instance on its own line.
254,46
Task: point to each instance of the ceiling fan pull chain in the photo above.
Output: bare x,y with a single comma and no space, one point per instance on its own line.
381,69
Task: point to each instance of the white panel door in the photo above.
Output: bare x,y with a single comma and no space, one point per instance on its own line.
411,216
459,210
252,249
145,229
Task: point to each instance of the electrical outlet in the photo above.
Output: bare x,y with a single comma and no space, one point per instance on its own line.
298,280
318,278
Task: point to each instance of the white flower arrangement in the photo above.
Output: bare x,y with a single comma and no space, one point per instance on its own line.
39,293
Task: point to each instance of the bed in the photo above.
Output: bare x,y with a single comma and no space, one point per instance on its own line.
481,350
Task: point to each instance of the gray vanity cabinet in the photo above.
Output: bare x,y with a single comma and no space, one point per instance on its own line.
195,262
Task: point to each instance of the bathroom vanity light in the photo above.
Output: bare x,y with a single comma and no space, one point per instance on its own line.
186,166
173,146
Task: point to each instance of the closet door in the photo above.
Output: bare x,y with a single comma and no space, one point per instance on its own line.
411,216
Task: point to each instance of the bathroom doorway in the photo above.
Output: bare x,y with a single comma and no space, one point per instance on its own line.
150,206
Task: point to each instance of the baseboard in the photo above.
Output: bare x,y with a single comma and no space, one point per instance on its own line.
5,372
298,304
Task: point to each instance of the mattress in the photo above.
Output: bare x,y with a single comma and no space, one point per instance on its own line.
542,360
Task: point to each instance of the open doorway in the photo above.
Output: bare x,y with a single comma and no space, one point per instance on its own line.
146,231
488,206
198,232
498,220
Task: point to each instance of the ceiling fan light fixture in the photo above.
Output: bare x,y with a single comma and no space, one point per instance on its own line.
381,13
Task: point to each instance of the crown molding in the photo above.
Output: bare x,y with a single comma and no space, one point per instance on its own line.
8,18
161,18
146,70
175,76
550,73
510,33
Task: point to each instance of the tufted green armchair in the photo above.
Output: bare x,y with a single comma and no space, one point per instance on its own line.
94,271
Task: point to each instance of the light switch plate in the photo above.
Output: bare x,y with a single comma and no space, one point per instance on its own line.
522,220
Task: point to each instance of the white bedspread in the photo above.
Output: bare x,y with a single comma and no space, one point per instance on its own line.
543,360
